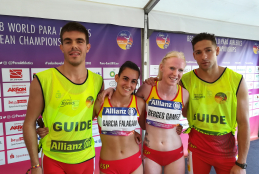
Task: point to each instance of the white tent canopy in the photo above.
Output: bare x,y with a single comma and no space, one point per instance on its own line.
228,18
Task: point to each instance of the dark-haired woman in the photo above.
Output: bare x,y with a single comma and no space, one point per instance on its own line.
117,120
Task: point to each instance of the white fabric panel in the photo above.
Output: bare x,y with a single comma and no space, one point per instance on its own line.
74,11
180,23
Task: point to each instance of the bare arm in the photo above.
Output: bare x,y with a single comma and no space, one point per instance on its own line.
34,109
243,135
143,91
141,108
107,92
185,102
97,107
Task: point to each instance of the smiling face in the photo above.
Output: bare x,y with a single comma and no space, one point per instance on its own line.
205,53
127,81
74,47
172,70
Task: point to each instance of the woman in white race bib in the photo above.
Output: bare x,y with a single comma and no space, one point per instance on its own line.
117,120
164,104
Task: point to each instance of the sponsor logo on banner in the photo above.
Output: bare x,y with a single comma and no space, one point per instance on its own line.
109,73
96,70
110,83
250,69
2,158
14,127
15,104
241,69
17,155
16,89
256,48
36,70
154,70
163,40
124,40
15,141
15,74
1,143
1,129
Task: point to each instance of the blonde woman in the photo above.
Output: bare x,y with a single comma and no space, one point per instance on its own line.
164,104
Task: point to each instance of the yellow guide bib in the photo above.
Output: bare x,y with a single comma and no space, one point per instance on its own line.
212,106
68,115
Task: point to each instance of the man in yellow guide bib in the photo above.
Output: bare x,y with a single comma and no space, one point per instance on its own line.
218,103
64,96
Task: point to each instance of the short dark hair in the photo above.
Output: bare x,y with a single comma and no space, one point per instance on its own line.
131,65
74,26
204,36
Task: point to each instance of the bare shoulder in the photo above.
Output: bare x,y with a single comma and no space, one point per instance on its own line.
35,87
140,100
36,102
144,91
242,93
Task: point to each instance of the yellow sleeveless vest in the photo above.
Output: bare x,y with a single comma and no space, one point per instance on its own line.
163,113
68,115
212,106
118,120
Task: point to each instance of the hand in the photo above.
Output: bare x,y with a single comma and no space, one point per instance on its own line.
237,170
137,137
151,81
179,129
42,132
108,92
40,122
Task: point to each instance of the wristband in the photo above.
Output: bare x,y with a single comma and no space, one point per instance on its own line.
32,167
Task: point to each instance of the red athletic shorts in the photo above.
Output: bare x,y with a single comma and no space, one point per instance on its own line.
51,166
123,166
163,158
199,164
